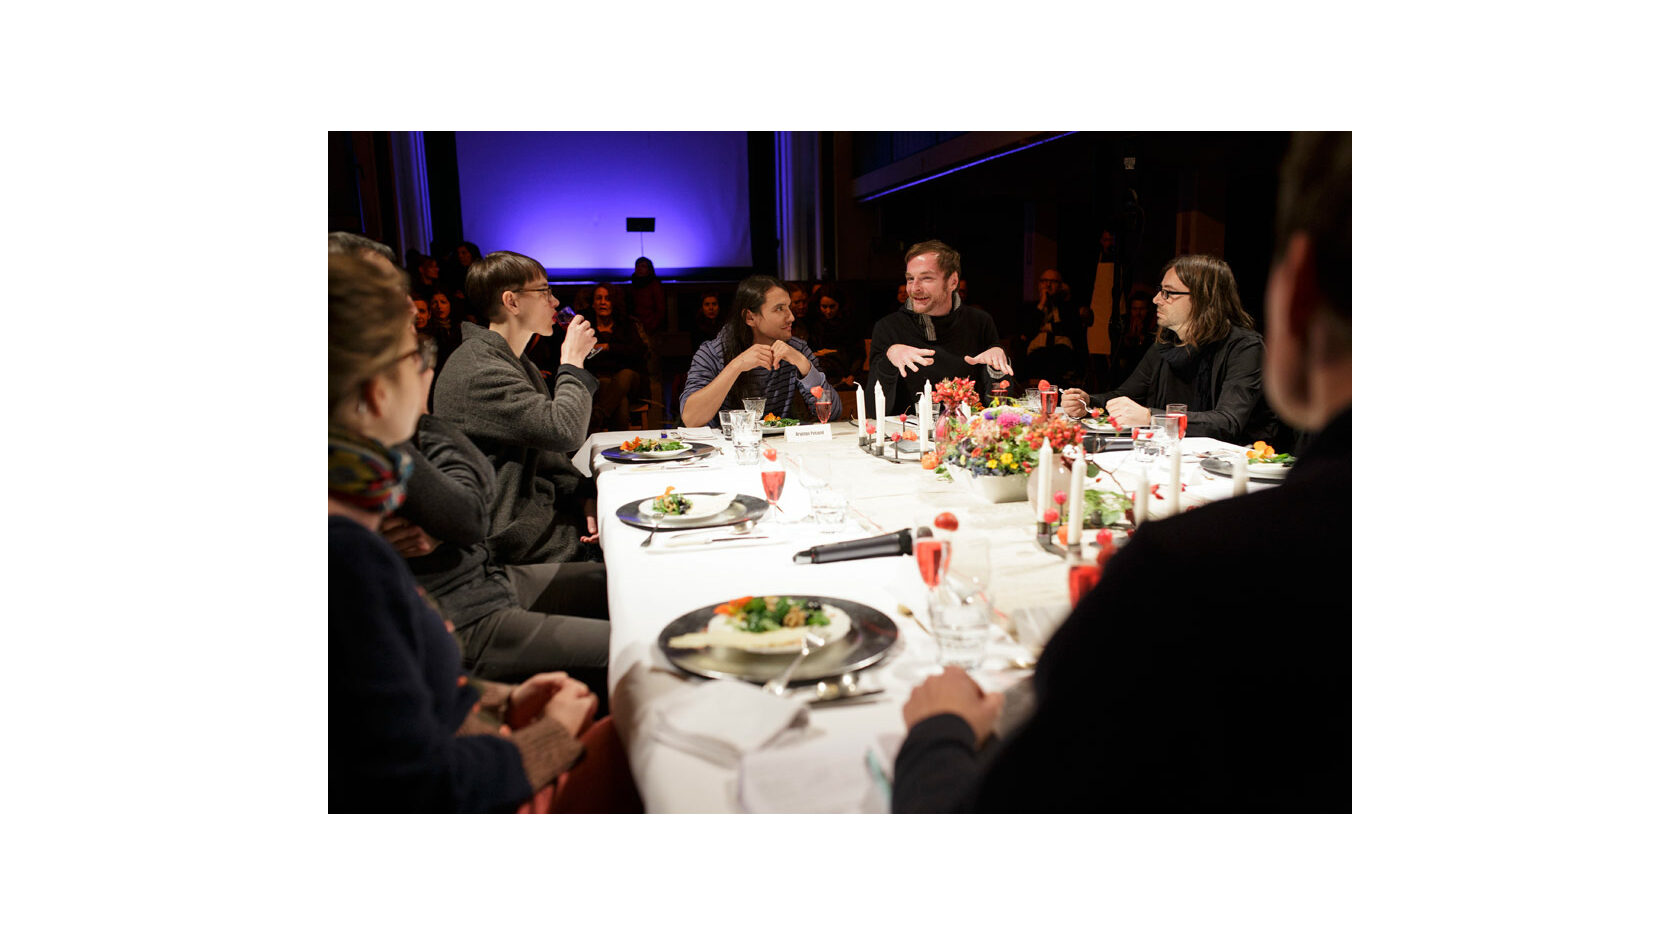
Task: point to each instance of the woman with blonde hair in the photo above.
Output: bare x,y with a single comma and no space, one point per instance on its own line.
407,733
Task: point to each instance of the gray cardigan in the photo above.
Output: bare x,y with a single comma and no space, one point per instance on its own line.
500,400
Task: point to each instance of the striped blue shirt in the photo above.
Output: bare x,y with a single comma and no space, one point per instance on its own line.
776,387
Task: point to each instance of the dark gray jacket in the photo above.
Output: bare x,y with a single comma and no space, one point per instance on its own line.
499,399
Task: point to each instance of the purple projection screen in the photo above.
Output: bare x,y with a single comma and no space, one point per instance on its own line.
561,197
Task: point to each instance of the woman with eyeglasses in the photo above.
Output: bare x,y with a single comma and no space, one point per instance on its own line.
1206,355
407,734
493,391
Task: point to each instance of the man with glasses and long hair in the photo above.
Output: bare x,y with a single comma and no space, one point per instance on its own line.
1206,355
543,506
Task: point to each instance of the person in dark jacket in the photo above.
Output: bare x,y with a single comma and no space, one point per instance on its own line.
1206,355
934,336
405,733
1138,709
511,621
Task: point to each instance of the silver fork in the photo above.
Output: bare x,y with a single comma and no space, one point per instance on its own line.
657,518
778,686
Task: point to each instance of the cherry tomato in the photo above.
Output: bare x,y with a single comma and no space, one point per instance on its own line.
946,521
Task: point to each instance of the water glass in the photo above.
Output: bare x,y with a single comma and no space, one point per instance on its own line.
1181,413
1169,429
745,435
828,507
726,419
1147,443
961,627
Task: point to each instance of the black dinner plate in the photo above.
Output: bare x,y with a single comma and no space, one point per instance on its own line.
745,508
871,635
694,451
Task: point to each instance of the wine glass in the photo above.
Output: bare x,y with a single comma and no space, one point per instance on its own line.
824,407
755,406
1181,412
1050,396
774,476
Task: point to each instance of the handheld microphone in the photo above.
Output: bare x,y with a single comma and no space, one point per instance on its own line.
877,546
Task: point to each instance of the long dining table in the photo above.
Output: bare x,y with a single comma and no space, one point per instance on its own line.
840,757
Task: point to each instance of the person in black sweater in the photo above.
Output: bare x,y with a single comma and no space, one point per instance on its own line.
934,336
1206,355
1138,709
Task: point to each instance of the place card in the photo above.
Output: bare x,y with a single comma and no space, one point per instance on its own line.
808,431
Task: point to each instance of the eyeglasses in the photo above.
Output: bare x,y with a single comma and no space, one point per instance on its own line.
427,352
1162,290
543,289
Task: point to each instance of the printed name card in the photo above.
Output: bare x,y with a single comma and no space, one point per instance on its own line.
809,431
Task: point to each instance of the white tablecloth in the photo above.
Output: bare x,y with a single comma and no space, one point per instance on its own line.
648,590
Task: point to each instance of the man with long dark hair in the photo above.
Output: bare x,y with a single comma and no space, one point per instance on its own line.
753,355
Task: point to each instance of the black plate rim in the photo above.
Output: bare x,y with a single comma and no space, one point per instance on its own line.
617,455
859,612
754,509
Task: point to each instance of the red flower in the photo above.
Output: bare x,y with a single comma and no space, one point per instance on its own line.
897,436
1060,497
870,426
1051,516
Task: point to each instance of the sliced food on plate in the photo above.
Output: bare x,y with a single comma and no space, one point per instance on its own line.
639,445
774,624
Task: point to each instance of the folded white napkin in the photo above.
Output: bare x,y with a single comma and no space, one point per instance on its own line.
724,719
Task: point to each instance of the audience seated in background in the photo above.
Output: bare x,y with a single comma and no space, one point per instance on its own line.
1206,355
1051,338
754,355
709,319
620,363
442,327
799,303
1130,334
1138,711
407,733
647,298
836,338
543,508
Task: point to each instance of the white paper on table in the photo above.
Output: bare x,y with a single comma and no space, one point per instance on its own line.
828,775
723,720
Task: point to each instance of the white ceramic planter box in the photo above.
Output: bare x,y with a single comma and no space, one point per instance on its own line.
998,488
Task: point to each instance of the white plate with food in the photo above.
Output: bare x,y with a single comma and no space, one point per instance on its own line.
701,643
694,506
767,625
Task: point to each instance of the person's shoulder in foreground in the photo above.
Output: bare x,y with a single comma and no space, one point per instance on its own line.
1210,668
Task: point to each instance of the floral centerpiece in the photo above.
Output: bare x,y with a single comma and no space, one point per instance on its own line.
993,443
954,391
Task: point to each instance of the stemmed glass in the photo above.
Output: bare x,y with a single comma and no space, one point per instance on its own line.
774,477
824,406
755,406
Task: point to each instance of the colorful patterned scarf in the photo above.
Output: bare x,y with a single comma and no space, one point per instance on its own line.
364,473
